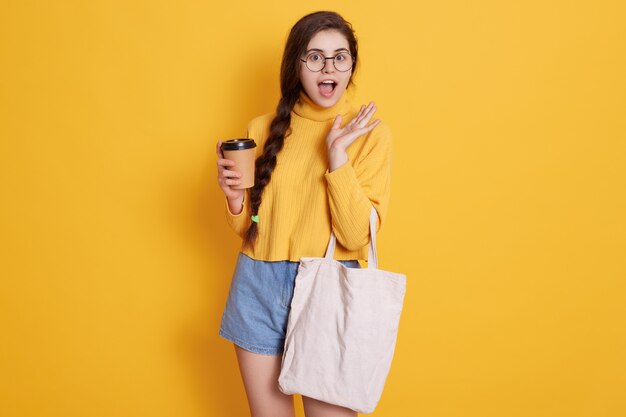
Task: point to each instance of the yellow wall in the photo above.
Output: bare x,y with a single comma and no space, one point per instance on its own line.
507,213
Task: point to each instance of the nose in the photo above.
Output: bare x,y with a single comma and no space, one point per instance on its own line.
329,65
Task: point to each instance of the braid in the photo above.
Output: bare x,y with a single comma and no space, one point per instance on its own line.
265,164
290,87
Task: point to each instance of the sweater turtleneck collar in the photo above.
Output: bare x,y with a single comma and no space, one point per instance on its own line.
308,109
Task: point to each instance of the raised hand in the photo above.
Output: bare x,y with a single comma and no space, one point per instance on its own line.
339,138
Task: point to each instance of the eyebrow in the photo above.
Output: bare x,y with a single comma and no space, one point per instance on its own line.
319,50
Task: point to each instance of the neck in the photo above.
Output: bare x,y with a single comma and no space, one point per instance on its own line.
308,109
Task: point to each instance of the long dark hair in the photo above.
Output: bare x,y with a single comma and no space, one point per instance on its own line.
290,88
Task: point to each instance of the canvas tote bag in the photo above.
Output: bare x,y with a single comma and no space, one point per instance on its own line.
342,329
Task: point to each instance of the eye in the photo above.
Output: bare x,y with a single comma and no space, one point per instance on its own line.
314,57
342,57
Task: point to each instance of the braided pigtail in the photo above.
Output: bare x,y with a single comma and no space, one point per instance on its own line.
290,87
265,164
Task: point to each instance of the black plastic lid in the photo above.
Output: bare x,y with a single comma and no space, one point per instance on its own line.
238,144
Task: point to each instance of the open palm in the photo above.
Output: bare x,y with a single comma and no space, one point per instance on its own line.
339,138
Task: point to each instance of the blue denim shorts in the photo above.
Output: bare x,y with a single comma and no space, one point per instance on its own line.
257,307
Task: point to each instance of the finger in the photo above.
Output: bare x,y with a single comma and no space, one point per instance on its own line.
363,114
368,115
231,174
230,182
225,162
371,107
373,125
356,118
370,127
218,149
361,111
337,122
352,136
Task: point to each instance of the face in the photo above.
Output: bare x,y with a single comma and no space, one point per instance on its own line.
325,87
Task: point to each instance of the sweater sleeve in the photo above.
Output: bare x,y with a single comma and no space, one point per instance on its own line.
355,186
239,222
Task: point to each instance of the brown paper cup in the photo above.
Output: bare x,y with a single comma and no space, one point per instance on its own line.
243,152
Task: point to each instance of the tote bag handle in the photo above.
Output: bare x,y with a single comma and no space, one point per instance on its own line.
372,262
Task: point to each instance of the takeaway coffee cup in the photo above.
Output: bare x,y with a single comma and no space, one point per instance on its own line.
243,152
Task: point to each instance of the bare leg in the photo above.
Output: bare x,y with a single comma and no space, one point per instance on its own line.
260,378
316,408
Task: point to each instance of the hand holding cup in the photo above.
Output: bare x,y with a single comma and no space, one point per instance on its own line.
227,178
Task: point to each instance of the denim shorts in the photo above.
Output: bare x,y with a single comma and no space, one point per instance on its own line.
257,308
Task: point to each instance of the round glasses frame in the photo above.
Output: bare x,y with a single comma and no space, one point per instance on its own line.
306,62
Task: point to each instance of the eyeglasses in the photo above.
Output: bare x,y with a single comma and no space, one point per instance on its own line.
315,61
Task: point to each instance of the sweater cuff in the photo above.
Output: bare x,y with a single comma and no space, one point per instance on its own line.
343,177
238,222
349,207
243,207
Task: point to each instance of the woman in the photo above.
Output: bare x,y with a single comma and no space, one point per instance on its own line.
315,172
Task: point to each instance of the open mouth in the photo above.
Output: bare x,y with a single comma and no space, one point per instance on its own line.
327,87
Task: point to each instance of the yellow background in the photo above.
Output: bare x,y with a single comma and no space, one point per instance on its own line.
508,210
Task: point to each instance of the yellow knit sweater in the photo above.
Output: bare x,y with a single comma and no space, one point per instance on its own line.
303,199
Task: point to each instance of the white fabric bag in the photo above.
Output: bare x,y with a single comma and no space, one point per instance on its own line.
342,329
